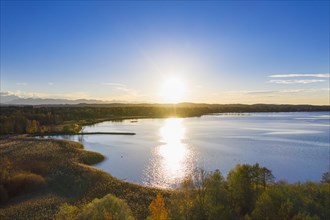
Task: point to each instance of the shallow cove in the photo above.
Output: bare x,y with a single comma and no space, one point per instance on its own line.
295,146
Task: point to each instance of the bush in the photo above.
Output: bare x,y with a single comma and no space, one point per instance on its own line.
89,157
326,177
67,212
108,207
3,194
293,201
25,182
37,167
5,169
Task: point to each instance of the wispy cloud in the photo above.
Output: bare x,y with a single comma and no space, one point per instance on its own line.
122,87
317,96
21,83
113,84
296,81
23,94
5,93
319,75
269,92
50,83
259,92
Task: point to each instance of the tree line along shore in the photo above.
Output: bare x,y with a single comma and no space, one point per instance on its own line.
71,118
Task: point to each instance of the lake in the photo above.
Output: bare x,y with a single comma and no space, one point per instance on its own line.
295,146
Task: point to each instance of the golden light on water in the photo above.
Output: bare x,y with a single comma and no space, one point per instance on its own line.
172,159
173,152
172,131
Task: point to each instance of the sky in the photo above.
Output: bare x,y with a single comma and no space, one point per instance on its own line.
210,52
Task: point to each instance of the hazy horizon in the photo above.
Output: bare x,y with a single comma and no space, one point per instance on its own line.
53,101
166,52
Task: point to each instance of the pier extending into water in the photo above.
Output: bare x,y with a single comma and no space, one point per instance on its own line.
110,133
86,133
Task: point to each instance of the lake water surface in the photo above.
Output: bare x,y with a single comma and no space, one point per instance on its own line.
295,146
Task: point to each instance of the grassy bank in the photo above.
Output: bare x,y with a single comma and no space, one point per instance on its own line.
84,133
64,167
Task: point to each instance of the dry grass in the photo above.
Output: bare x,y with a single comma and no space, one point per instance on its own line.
68,178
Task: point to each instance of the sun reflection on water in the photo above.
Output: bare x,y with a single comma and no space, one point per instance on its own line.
172,160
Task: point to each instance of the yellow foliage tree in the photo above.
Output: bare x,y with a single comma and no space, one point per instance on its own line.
157,209
32,126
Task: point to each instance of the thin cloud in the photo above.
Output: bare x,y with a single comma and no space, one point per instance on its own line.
113,84
269,92
320,75
50,83
296,81
68,96
130,91
23,94
122,87
261,92
295,91
21,84
252,92
5,94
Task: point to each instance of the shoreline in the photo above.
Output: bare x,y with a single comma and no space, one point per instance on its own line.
82,133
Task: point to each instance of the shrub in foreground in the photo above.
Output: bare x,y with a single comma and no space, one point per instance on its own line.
25,182
90,157
108,207
3,194
67,212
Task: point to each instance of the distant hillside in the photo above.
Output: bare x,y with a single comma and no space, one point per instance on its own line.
39,101
17,119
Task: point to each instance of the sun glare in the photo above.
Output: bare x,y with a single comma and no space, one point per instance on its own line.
173,90
174,154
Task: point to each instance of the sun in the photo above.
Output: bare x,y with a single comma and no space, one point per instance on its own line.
173,90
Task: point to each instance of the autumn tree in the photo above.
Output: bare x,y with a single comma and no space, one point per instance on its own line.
32,126
157,209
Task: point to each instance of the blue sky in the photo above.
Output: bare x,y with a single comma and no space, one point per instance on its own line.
221,52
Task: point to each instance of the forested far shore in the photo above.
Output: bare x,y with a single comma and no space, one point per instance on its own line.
70,118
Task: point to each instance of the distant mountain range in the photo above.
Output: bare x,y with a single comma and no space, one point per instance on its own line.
38,101
6,99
